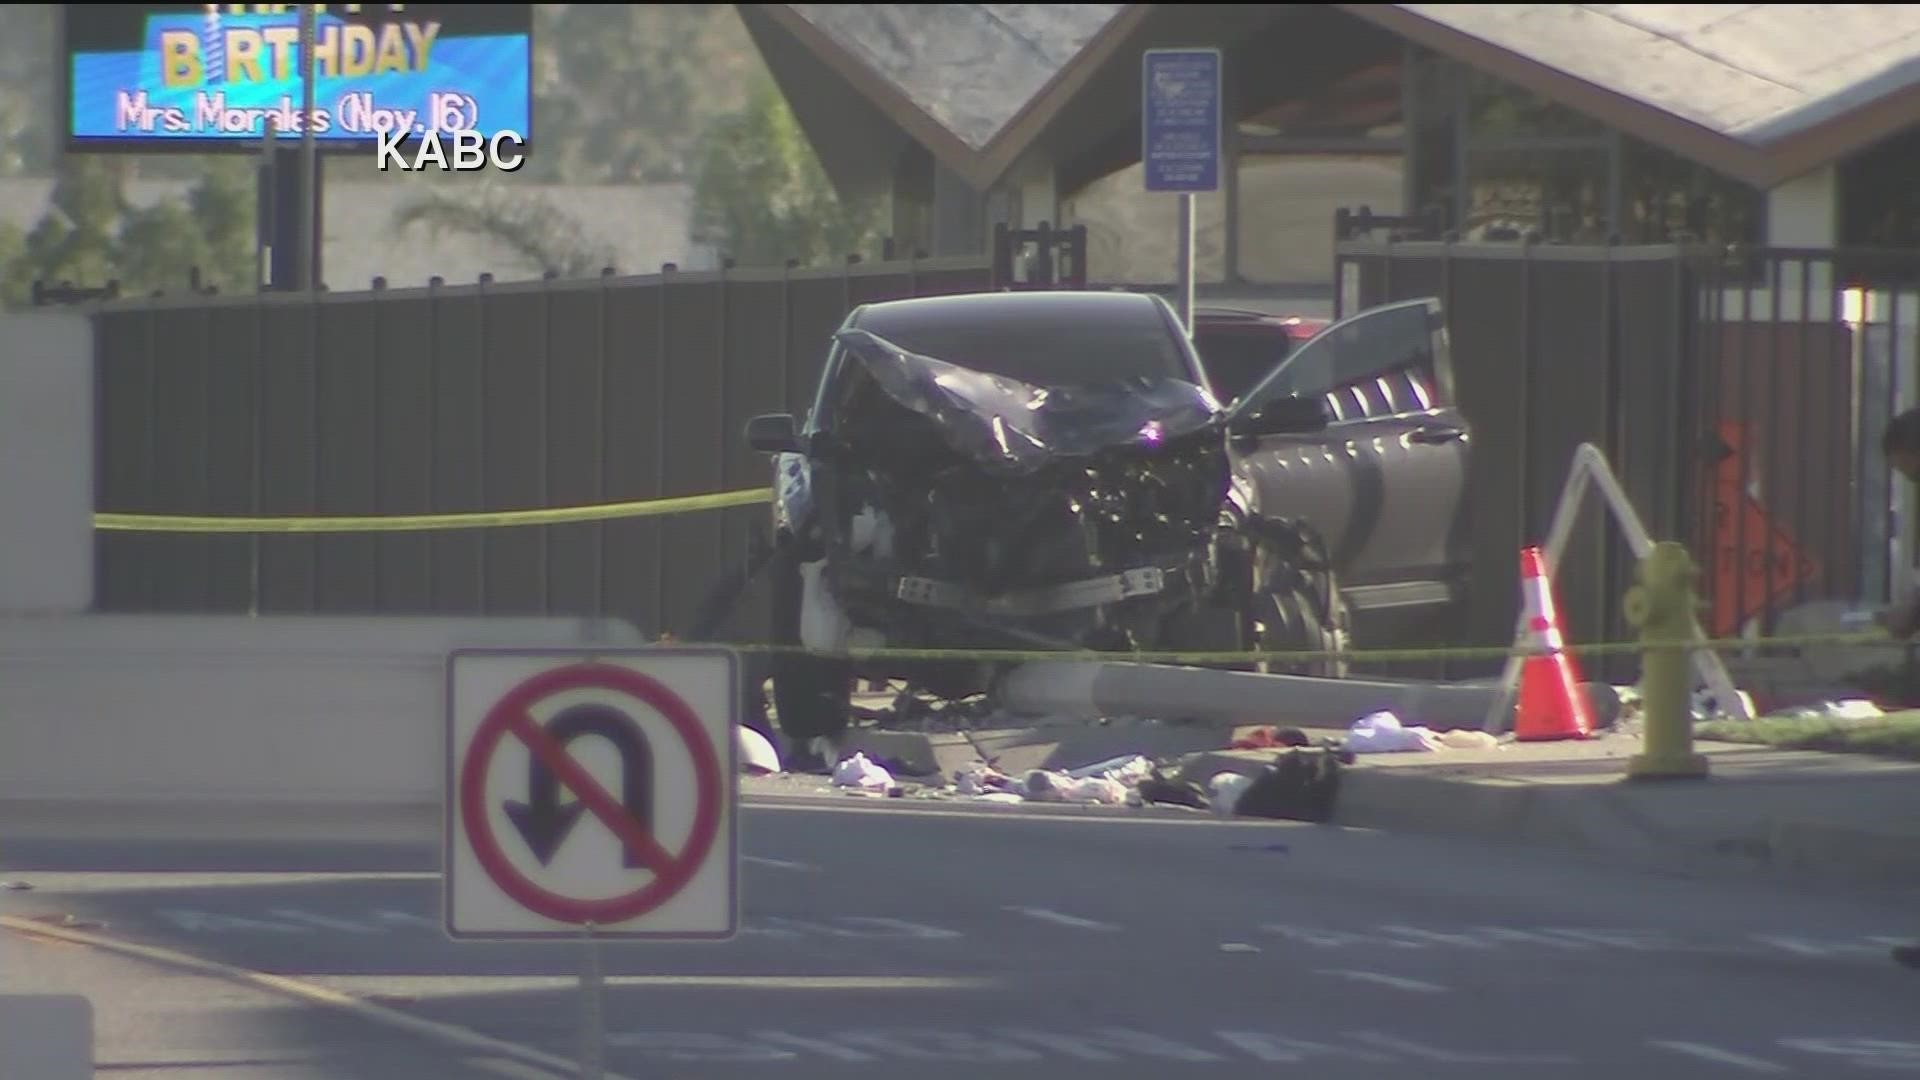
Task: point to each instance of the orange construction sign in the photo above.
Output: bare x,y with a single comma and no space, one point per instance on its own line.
1755,561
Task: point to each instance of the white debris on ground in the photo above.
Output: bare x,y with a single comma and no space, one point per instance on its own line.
1463,739
1853,709
1105,784
1707,707
1136,780
1292,783
1382,733
1224,791
861,774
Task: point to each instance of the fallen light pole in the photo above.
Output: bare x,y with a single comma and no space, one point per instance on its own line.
1114,688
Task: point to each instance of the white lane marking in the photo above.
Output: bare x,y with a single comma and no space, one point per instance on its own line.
1419,935
1110,1044
1062,919
325,922
1017,1045
1719,1056
1281,1050
451,1034
1455,1057
822,1047
1891,1055
1396,981
862,927
387,916
689,1046
214,922
419,987
779,864
512,1070
1573,939
937,1044
1875,947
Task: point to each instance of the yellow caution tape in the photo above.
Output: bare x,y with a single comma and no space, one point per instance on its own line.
559,515
164,523
1493,652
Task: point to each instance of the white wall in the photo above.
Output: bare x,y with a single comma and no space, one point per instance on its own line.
1805,211
1285,230
46,462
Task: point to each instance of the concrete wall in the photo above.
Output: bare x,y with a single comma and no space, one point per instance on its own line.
150,724
46,462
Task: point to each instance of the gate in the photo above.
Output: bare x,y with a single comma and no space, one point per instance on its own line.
1740,396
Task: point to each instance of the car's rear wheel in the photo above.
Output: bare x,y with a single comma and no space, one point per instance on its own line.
812,695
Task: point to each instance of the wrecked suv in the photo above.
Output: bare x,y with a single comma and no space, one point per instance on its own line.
1046,471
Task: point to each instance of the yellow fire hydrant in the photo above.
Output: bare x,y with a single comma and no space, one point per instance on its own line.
1662,607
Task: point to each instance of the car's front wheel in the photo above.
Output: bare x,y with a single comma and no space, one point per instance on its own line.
812,695
1300,620
1295,606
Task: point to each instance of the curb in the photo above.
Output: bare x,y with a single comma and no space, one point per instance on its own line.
1653,827
1631,825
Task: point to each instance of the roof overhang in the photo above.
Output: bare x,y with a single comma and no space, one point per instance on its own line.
982,167
864,102
856,142
1759,161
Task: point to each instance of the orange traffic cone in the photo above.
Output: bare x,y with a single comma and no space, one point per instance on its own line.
1550,705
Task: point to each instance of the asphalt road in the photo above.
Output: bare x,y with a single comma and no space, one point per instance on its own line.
968,942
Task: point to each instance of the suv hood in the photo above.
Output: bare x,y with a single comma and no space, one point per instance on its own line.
1015,427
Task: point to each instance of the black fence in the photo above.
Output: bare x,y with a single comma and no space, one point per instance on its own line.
1739,396
453,399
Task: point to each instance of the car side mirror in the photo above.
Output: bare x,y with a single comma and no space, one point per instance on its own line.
1289,415
774,433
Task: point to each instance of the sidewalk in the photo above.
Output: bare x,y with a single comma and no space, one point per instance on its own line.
1819,819
1816,819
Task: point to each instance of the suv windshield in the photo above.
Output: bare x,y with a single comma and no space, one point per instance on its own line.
1044,347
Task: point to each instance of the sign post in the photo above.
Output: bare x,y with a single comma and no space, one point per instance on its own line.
1180,120
630,836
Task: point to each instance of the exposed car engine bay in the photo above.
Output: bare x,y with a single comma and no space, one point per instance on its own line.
956,508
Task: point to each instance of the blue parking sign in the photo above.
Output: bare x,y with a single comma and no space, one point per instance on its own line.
1180,119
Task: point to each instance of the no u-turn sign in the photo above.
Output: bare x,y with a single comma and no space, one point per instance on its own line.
591,789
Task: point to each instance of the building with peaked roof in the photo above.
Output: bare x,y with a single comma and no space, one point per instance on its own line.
1788,124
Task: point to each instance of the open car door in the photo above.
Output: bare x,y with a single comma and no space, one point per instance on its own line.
1384,483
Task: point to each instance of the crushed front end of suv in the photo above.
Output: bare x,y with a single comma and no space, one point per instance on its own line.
1049,471
945,502
974,510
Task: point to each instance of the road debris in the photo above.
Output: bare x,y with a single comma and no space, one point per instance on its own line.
861,774
1382,733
